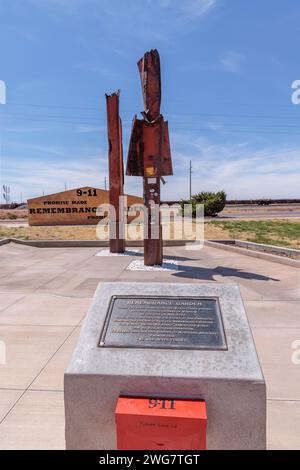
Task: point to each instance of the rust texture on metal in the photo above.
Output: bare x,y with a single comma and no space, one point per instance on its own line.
153,245
135,162
116,173
149,152
149,68
149,147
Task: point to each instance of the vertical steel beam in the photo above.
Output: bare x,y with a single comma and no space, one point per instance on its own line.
153,249
149,68
116,174
149,153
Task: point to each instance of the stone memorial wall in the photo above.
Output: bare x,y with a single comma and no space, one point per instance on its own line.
74,207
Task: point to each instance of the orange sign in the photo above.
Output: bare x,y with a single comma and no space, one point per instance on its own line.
152,424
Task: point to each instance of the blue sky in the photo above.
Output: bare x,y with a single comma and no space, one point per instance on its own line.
227,71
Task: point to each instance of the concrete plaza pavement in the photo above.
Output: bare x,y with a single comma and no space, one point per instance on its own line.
45,294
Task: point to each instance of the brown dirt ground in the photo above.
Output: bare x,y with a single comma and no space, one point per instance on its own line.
13,214
89,233
211,232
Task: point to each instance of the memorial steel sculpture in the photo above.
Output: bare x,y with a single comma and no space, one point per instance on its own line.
116,174
149,154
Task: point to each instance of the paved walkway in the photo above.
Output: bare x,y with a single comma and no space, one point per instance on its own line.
45,293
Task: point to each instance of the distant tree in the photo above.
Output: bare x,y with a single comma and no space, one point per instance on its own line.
213,202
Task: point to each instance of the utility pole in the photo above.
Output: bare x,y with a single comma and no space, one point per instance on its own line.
65,186
190,179
105,183
6,193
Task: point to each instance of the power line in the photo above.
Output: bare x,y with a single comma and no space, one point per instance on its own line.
132,112
192,126
248,116
233,131
42,116
189,128
167,100
91,120
52,106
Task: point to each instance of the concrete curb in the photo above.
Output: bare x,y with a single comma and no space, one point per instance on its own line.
270,249
3,241
83,243
230,245
60,243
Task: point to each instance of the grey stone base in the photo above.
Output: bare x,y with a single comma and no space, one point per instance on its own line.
231,382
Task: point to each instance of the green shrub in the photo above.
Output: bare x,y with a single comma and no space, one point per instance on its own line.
213,202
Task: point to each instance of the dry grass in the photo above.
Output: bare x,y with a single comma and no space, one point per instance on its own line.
89,233
264,210
13,214
49,233
214,232
283,232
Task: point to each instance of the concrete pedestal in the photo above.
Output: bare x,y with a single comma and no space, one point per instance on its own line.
231,381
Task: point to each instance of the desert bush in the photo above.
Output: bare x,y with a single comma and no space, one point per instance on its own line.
11,216
213,202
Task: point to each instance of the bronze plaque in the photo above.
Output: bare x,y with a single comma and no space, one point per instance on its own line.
163,322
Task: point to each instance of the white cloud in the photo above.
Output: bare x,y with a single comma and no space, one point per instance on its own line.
97,69
54,167
214,126
269,172
135,11
87,129
23,129
231,61
239,169
153,21
69,6
2,92
196,8
190,7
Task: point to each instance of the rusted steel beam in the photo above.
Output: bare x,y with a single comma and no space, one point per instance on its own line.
116,173
153,248
149,143
135,159
149,68
149,152
149,147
